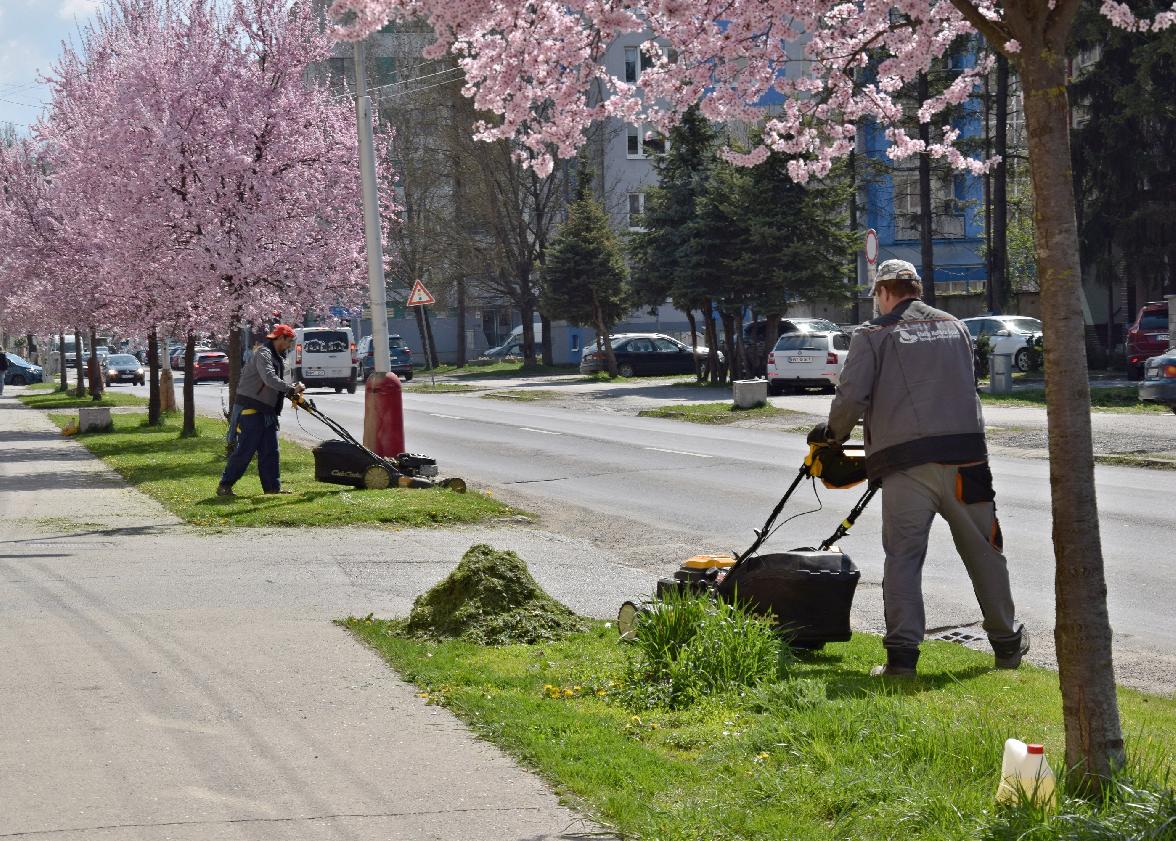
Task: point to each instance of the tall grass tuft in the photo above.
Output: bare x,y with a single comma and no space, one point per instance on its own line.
690,646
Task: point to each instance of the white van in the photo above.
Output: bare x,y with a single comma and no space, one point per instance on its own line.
324,357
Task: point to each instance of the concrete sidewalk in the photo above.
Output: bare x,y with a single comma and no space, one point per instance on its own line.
159,683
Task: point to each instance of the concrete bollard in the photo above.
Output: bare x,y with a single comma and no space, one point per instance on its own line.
749,393
94,420
1000,373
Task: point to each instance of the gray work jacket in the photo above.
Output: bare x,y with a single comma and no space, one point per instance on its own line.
263,383
910,375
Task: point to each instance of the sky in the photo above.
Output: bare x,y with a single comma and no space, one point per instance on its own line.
31,32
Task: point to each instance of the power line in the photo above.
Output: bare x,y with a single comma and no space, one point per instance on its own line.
407,82
418,90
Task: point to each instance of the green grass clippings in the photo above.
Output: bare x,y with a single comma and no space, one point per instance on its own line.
718,413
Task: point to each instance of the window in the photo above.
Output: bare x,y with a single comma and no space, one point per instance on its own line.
575,342
802,341
325,341
947,213
636,211
1153,321
387,71
337,71
639,346
644,141
635,61
665,346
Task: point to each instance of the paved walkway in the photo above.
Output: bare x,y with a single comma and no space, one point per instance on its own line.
164,684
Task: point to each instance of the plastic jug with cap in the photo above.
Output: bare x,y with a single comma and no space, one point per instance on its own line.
1025,772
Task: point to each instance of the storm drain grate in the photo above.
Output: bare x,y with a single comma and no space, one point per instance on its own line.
961,636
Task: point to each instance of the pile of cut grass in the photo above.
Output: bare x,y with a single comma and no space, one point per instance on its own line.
718,413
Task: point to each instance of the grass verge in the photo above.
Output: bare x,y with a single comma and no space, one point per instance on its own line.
442,388
823,752
501,370
525,395
67,400
1159,461
717,413
1111,399
182,474
44,386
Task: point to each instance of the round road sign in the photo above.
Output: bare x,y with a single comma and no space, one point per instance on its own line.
871,246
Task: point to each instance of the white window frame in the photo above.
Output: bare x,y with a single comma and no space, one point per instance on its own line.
640,214
947,213
639,132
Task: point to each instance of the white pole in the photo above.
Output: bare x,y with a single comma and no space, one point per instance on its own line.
371,217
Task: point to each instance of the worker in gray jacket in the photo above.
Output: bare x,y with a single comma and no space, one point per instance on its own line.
909,374
258,405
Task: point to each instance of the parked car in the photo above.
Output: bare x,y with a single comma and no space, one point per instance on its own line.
512,348
176,357
21,371
124,368
644,354
399,354
807,360
324,357
1159,380
1011,335
210,365
755,333
1146,337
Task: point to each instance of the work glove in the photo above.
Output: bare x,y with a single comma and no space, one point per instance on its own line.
821,434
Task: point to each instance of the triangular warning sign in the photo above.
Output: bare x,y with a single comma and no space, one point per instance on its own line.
419,296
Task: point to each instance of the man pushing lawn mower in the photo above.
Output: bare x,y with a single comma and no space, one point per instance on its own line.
259,403
910,375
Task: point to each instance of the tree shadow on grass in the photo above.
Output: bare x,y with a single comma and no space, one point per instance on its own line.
846,683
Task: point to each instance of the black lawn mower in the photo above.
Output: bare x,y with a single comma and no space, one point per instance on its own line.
345,461
808,591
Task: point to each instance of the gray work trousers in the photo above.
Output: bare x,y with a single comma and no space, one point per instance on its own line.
910,500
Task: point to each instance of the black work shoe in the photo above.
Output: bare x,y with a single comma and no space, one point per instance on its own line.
1009,654
224,490
891,670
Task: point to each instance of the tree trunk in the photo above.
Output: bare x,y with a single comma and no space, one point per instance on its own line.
1094,740
545,342
94,368
857,257
189,428
926,217
772,332
153,407
461,321
694,343
1000,181
528,313
732,372
79,364
602,331
712,343
61,363
236,342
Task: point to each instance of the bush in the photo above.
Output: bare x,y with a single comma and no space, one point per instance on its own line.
691,646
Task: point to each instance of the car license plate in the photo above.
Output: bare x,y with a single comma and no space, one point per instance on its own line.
315,372
799,359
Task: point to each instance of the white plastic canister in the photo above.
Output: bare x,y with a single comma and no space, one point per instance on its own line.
1026,770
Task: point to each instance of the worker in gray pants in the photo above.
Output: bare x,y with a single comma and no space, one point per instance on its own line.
909,377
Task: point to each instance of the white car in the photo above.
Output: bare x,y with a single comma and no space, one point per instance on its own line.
1010,335
324,356
807,360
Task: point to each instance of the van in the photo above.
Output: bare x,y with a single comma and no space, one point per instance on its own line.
512,348
324,357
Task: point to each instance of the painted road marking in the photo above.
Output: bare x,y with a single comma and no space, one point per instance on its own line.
677,452
541,431
450,417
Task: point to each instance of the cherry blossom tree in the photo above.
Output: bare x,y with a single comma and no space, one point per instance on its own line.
219,183
533,64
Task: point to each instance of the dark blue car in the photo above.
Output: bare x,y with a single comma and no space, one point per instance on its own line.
21,371
398,354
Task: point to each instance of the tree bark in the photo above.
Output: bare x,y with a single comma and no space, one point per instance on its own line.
153,406
1000,180
79,364
61,363
712,342
1094,740
732,372
545,342
94,368
462,351
772,331
236,341
926,217
189,428
602,332
694,343
528,313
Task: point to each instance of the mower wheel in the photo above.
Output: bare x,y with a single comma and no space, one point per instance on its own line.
377,477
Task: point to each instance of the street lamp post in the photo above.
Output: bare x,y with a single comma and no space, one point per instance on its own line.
371,217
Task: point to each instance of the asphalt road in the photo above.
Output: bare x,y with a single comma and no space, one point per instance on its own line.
666,488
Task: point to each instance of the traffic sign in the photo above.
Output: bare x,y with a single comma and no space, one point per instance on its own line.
419,296
871,246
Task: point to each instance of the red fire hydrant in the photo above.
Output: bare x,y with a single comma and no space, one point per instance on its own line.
383,415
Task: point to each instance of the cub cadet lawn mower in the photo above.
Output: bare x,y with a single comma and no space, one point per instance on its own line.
807,591
345,461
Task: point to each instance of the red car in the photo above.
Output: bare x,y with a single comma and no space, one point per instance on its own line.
212,365
1147,337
